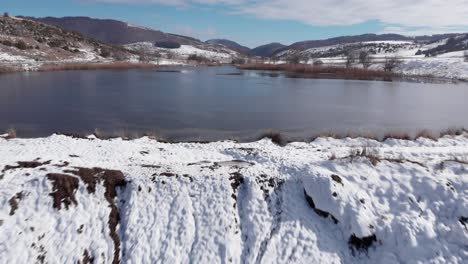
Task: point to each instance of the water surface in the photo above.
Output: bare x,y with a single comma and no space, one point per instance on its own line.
211,103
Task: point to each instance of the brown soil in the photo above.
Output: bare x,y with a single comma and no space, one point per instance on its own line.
321,213
111,180
361,244
14,202
26,165
64,188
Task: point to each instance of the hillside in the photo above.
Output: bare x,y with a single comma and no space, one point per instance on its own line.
143,201
266,50
229,44
453,44
31,43
113,31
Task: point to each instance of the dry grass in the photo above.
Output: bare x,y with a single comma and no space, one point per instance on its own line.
95,66
426,134
371,154
275,137
452,132
8,69
397,135
10,134
324,72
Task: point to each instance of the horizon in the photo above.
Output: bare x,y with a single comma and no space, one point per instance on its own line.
228,19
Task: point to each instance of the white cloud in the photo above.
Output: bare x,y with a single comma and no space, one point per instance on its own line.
430,14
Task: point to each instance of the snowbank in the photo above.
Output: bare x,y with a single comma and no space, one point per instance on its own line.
64,200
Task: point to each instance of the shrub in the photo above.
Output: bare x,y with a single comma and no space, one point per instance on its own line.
318,62
391,64
7,43
365,59
350,58
275,137
238,61
105,53
21,45
197,58
167,44
294,58
56,43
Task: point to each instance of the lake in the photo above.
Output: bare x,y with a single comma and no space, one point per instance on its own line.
213,103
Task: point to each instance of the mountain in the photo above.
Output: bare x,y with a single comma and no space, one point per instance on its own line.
113,31
303,45
266,50
28,42
454,43
229,44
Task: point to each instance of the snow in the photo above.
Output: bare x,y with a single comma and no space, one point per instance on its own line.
240,202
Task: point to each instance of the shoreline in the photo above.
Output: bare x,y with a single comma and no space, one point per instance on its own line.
289,71
342,73
278,138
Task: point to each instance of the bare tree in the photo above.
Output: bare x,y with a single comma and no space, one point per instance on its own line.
317,62
350,58
170,55
143,57
294,58
365,59
391,64
466,56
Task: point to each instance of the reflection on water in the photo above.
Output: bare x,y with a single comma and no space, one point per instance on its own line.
210,103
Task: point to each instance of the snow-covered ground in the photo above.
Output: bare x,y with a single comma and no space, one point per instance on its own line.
450,65
329,201
216,53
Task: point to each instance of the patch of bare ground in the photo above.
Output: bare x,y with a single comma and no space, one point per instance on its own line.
361,244
111,179
64,189
87,258
14,202
95,66
26,165
321,213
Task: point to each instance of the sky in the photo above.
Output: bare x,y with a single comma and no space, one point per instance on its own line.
257,22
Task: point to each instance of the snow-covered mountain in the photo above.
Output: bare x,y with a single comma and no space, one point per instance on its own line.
26,42
229,44
69,200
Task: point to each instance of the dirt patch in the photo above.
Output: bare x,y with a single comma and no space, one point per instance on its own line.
64,164
337,179
14,202
151,166
321,213
236,181
267,184
464,221
64,188
111,180
87,258
361,244
26,165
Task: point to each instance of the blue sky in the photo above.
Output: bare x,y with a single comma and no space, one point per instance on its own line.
256,22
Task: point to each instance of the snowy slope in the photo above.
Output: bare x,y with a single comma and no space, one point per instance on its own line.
225,202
